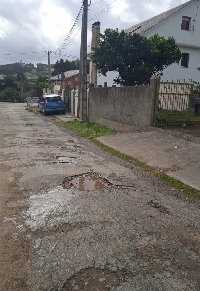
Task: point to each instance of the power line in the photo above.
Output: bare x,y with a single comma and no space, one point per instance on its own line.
22,53
103,10
96,15
97,2
71,30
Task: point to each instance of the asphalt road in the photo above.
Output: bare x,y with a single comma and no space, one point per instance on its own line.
75,218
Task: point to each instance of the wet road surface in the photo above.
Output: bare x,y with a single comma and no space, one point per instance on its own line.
75,218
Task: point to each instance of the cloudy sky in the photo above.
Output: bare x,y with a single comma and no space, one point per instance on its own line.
29,28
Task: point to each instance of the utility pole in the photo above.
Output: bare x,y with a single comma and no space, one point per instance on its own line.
49,67
83,61
79,109
22,87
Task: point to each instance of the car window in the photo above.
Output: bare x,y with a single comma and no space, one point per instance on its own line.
53,99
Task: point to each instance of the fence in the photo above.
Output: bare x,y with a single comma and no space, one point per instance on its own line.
127,108
32,102
173,103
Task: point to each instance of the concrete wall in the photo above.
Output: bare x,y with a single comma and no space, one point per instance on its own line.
123,108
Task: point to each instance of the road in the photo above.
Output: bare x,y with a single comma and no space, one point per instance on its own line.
76,218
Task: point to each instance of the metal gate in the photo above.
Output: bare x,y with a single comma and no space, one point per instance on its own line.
173,103
67,99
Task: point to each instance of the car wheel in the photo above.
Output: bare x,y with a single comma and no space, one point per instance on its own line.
44,112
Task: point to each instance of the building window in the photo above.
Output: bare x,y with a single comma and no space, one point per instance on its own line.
186,23
185,60
70,84
76,79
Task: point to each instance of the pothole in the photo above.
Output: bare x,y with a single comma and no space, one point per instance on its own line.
67,160
88,182
92,279
161,208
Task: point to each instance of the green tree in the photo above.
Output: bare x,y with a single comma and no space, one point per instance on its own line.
64,66
43,85
37,91
136,58
9,94
9,81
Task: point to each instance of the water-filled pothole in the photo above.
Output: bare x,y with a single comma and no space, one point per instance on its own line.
67,160
88,182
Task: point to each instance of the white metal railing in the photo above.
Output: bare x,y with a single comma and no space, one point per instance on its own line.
32,102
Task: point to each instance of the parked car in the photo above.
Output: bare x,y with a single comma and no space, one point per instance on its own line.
51,103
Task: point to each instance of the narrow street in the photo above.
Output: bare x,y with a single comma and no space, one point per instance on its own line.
75,218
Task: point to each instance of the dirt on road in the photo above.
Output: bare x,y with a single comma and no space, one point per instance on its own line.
75,218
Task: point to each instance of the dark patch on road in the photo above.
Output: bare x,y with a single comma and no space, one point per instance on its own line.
161,208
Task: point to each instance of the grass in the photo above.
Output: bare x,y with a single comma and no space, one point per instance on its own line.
172,119
176,119
195,118
155,172
91,131
88,130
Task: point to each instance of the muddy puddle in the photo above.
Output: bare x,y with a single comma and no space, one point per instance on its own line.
88,182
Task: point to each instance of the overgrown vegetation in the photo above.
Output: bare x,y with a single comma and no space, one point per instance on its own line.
16,88
62,66
135,57
88,130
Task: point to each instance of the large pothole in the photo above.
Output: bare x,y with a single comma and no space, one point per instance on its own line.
92,279
89,181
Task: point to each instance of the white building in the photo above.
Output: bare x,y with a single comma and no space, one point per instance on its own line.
183,23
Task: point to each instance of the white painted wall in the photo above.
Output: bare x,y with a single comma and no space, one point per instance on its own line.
175,71
172,26
188,41
109,79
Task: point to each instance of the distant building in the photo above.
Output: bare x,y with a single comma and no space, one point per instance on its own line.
2,76
67,79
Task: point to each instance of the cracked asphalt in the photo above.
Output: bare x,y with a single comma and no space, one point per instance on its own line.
134,234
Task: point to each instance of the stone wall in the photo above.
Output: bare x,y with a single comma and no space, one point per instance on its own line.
123,108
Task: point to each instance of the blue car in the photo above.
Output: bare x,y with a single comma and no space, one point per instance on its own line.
51,103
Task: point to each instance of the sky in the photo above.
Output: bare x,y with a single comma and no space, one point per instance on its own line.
29,28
